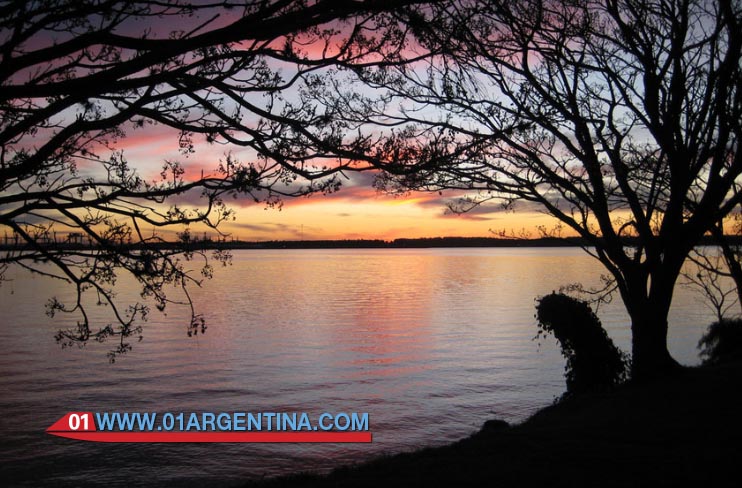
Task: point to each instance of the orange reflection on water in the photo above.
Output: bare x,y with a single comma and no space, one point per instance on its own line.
388,333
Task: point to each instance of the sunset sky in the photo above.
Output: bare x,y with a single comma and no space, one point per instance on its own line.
361,213
357,211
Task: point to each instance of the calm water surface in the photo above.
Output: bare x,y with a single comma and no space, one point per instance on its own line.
430,343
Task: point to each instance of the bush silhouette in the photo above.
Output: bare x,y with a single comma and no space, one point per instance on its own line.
722,342
594,363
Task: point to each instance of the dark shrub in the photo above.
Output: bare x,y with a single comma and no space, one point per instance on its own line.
593,361
722,342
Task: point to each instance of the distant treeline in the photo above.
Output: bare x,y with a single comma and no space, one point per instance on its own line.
426,242
406,243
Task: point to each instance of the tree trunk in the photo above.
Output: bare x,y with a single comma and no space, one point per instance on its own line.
648,312
650,357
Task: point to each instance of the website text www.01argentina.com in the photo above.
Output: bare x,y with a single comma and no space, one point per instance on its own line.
213,427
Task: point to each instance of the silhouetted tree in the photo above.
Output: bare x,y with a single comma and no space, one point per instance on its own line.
722,342
717,270
594,363
78,76
621,118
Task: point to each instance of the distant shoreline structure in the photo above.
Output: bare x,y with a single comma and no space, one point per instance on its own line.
401,243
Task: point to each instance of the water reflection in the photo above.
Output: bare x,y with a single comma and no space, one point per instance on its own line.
429,342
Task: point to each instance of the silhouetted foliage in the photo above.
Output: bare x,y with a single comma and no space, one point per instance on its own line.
717,271
77,77
620,118
722,342
708,274
593,361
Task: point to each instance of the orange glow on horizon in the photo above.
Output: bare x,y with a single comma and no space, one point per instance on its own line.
356,211
374,218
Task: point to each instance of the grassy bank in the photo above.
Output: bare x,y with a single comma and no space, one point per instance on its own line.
676,432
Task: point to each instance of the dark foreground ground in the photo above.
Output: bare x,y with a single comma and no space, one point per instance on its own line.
684,431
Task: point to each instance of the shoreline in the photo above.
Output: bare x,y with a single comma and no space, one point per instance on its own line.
401,243
668,432
224,244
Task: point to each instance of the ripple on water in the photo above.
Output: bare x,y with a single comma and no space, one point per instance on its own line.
430,343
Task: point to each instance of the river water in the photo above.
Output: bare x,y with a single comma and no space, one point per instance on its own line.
430,342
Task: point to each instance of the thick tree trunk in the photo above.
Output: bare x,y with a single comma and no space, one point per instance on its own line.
650,357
